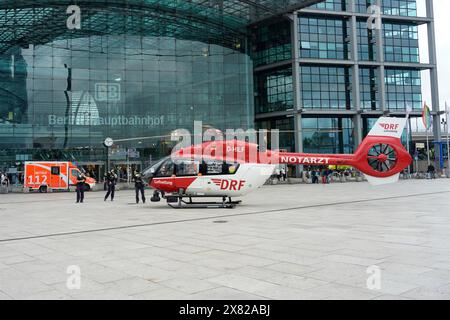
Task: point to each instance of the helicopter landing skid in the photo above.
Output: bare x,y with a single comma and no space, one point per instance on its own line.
225,204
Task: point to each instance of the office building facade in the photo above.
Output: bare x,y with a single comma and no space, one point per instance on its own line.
338,66
136,70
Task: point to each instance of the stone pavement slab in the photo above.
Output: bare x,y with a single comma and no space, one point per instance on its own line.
283,242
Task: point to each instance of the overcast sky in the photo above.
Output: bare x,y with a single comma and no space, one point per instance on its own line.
442,25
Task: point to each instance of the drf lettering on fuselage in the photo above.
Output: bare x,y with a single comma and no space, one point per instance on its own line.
390,126
301,160
232,185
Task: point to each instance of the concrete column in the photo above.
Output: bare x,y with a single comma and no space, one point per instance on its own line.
382,73
356,94
434,81
295,62
298,105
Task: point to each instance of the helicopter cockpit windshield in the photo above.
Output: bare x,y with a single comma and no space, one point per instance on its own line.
189,167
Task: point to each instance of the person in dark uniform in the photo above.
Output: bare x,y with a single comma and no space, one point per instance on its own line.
139,186
81,181
111,180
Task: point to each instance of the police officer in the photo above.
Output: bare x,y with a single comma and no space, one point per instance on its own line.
81,181
139,186
111,180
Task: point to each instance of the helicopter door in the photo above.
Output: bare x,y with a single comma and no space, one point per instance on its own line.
190,170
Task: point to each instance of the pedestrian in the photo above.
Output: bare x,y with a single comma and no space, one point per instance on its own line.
283,174
431,172
324,176
81,181
111,181
315,177
139,186
329,176
3,183
4,180
278,174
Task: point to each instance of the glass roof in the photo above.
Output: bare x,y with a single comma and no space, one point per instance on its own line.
37,22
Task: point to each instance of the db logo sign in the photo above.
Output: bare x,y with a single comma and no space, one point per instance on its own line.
232,185
390,126
107,92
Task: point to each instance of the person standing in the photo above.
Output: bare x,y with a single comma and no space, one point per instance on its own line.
431,172
315,177
283,174
111,180
278,173
139,186
81,181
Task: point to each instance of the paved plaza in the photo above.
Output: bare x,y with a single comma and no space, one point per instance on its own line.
339,241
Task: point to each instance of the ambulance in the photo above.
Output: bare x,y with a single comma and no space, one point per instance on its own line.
49,176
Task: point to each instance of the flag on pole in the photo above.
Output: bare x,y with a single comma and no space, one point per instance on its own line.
426,116
447,115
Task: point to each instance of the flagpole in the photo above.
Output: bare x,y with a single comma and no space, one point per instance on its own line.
428,149
447,110
408,132
426,119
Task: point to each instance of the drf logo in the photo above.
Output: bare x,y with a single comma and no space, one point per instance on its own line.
232,185
74,280
390,126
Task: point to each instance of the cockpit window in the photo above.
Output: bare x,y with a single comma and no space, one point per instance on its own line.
167,169
187,167
219,168
152,171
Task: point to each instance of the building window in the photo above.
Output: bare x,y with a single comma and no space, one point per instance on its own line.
368,81
274,91
363,5
406,8
326,87
324,38
331,5
271,43
328,135
366,42
403,88
286,131
401,43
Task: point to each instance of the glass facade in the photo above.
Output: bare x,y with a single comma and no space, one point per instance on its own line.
326,71
274,90
401,42
76,92
136,70
286,131
326,87
406,8
367,48
368,82
363,5
121,75
328,135
403,88
331,5
271,43
322,38
400,7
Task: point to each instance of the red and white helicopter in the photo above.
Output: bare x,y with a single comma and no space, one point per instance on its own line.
232,169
